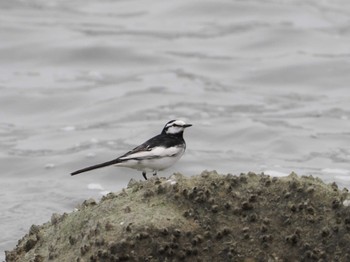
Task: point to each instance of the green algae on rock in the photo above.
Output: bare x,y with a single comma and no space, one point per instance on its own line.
209,217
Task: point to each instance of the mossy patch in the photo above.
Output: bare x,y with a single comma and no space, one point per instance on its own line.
209,217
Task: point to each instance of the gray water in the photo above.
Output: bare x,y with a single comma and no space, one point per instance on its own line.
264,83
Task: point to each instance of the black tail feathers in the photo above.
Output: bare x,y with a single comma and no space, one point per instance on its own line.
109,163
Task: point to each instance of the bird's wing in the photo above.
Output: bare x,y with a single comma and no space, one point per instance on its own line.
151,153
152,149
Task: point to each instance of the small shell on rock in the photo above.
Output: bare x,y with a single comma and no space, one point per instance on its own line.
55,218
177,232
89,202
34,229
247,206
346,202
214,208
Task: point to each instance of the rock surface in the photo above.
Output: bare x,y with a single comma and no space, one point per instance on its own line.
209,217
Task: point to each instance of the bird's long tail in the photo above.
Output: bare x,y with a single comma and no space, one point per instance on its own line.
109,163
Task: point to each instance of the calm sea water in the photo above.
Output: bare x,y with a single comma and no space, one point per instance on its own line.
264,83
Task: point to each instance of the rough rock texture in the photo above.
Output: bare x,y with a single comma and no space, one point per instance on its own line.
209,217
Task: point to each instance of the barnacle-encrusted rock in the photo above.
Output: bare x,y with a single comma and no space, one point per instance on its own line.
210,217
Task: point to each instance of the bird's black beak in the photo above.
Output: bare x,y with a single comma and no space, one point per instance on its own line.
186,125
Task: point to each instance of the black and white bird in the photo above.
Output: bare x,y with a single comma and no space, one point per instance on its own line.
157,153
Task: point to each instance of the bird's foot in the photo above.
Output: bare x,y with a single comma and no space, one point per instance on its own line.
144,175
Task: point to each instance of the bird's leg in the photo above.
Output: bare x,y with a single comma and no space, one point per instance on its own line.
154,173
144,174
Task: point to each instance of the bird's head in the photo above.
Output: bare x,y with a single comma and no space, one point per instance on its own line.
175,127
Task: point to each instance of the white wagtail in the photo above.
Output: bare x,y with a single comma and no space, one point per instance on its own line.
157,153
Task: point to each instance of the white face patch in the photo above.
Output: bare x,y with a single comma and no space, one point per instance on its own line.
175,127
176,123
174,130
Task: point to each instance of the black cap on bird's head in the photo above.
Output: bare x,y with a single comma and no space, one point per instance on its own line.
174,127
